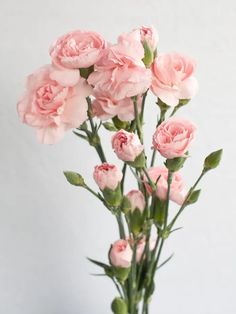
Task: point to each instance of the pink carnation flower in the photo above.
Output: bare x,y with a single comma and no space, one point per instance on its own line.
107,176
121,254
77,49
172,78
177,191
126,145
173,137
54,101
120,72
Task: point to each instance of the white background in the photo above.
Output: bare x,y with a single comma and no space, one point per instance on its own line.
47,227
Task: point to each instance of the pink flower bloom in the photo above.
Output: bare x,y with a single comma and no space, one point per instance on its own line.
107,176
172,78
173,137
105,108
177,191
121,254
150,36
120,72
136,199
126,145
77,49
141,246
55,101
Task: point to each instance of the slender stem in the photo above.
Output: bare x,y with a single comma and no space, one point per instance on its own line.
97,145
121,226
186,200
123,178
132,281
143,105
137,119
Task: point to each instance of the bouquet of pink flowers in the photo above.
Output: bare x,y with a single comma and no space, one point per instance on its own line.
90,84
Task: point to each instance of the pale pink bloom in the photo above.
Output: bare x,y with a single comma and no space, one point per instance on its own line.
141,246
136,199
173,137
77,49
172,78
177,190
120,71
126,145
107,176
54,101
106,108
150,36
121,254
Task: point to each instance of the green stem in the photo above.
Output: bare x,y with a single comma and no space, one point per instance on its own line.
186,200
143,105
137,119
121,226
132,281
97,145
123,178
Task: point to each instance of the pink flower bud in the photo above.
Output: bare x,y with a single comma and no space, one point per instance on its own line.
150,36
107,176
173,137
121,254
136,199
177,191
126,145
141,247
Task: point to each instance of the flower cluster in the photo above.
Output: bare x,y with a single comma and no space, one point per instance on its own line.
92,83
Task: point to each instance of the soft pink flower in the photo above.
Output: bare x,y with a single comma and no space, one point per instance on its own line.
150,36
136,199
107,176
55,101
106,108
120,71
173,137
77,49
141,246
121,254
177,191
126,145
172,78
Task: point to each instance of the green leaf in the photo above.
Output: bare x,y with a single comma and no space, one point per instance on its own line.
213,160
166,261
74,178
107,268
119,306
193,197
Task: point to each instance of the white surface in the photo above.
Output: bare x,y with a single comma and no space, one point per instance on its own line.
47,227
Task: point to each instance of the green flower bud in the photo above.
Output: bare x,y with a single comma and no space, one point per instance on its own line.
120,124
213,160
109,126
193,197
121,273
125,205
74,178
119,306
